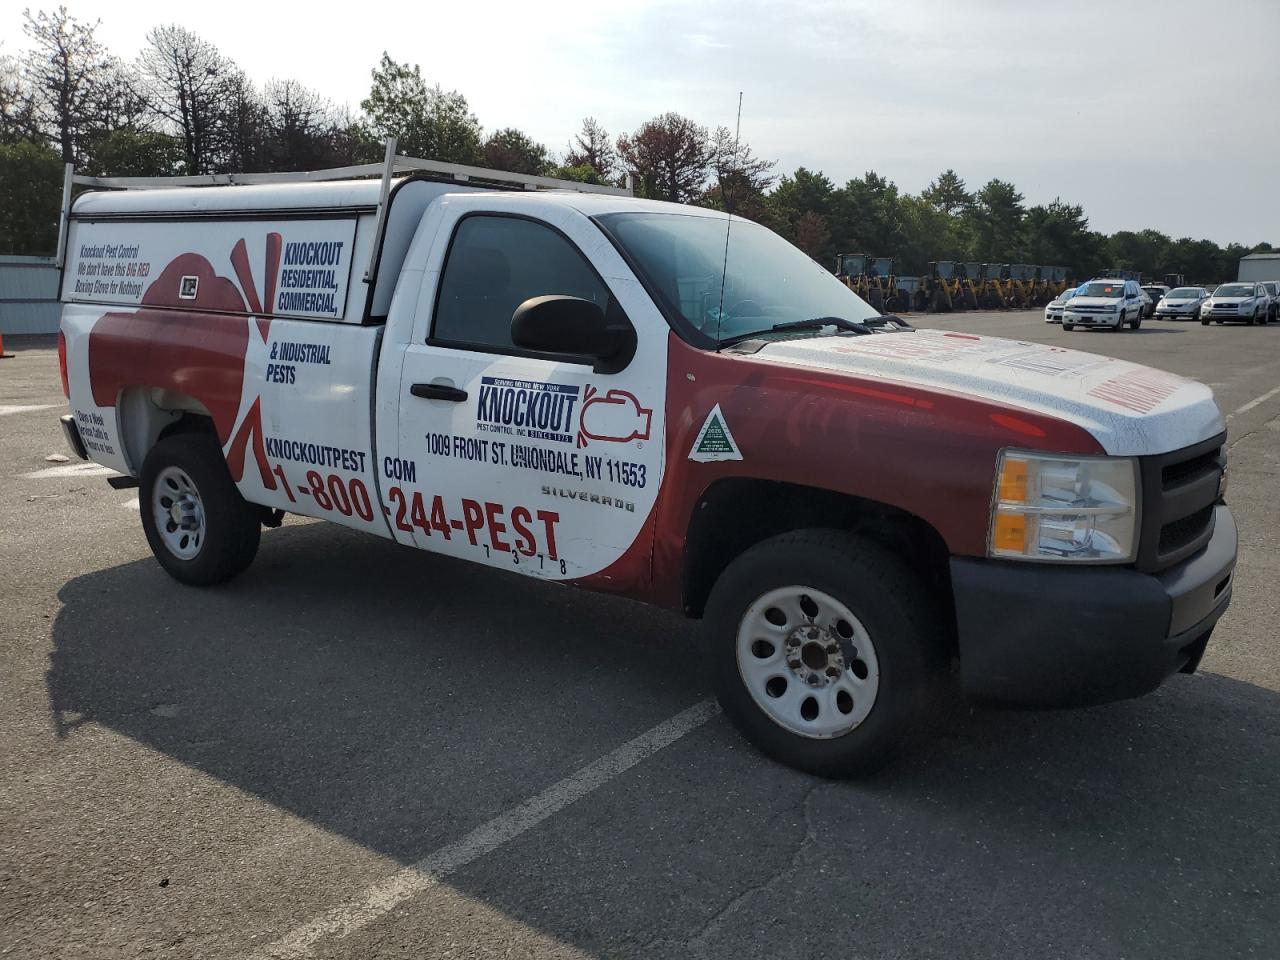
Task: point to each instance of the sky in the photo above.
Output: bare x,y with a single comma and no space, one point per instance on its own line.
1148,113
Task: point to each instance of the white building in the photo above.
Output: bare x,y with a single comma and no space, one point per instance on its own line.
1260,266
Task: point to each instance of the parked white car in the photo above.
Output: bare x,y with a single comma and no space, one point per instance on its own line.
1237,302
1108,303
1054,308
1182,303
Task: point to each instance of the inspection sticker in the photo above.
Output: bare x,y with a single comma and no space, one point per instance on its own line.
715,441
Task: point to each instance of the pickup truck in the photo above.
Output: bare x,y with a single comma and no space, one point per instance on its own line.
657,401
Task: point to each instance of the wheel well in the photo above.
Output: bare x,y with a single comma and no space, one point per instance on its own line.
146,415
189,423
735,514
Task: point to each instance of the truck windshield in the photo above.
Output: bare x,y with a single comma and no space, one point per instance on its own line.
767,281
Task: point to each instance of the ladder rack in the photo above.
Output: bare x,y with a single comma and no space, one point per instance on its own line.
392,166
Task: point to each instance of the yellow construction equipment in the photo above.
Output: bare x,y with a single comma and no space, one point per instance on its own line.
851,268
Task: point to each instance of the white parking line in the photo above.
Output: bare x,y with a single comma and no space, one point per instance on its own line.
1253,403
70,470
6,409
418,877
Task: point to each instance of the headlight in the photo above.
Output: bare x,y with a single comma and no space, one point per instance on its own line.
1064,509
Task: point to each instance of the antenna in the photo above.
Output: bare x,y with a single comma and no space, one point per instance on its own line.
728,225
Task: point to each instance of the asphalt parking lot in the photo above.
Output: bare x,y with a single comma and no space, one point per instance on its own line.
358,751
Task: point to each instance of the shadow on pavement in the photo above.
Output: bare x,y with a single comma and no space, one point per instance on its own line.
400,699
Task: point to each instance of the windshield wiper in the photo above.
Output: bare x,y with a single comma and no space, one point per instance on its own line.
817,323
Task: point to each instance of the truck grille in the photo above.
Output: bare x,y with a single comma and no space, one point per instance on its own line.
1179,493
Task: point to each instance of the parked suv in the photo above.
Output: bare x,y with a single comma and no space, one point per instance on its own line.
1273,292
1109,303
1182,303
1246,302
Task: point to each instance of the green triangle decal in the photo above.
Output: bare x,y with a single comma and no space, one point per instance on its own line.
714,438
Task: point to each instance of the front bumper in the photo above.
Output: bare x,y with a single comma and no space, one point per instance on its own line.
1178,313
1051,635
1233,315
1090,319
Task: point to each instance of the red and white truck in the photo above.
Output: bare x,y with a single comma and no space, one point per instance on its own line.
651,400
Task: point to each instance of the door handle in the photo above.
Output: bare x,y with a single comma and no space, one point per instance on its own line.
438,391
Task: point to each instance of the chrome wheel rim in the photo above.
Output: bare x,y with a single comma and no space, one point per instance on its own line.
178,513
807,662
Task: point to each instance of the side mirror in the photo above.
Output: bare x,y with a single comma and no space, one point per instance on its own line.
575,327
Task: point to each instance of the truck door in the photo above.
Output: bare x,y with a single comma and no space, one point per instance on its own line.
511,458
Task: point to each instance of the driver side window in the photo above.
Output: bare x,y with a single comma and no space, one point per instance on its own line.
494,264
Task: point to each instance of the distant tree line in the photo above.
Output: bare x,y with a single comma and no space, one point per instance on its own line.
181,106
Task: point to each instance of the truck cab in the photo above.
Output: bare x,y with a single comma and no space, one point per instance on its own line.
658,401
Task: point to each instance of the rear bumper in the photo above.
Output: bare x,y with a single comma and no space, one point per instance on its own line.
1041,634
71,431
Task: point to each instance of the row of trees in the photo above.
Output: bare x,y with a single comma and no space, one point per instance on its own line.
181,106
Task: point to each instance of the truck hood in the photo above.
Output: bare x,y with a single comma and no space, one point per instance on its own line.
1130,409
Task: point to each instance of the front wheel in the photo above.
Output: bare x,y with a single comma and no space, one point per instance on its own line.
1136,322
1068,327
198,526
1204,323
821,646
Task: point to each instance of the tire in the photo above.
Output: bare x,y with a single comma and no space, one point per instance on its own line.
1068,327
186,475
1204,323
879,664
1253,320
1136,322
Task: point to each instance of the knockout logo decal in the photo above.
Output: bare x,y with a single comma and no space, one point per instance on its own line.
537,410
527,408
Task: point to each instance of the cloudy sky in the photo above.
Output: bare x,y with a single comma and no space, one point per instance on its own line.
1162,113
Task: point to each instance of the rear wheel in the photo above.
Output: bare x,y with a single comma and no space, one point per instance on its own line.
1068,326
821,647
198,526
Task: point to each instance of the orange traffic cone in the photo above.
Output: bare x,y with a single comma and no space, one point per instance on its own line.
3,355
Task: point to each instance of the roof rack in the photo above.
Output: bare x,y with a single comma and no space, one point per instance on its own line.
392,165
